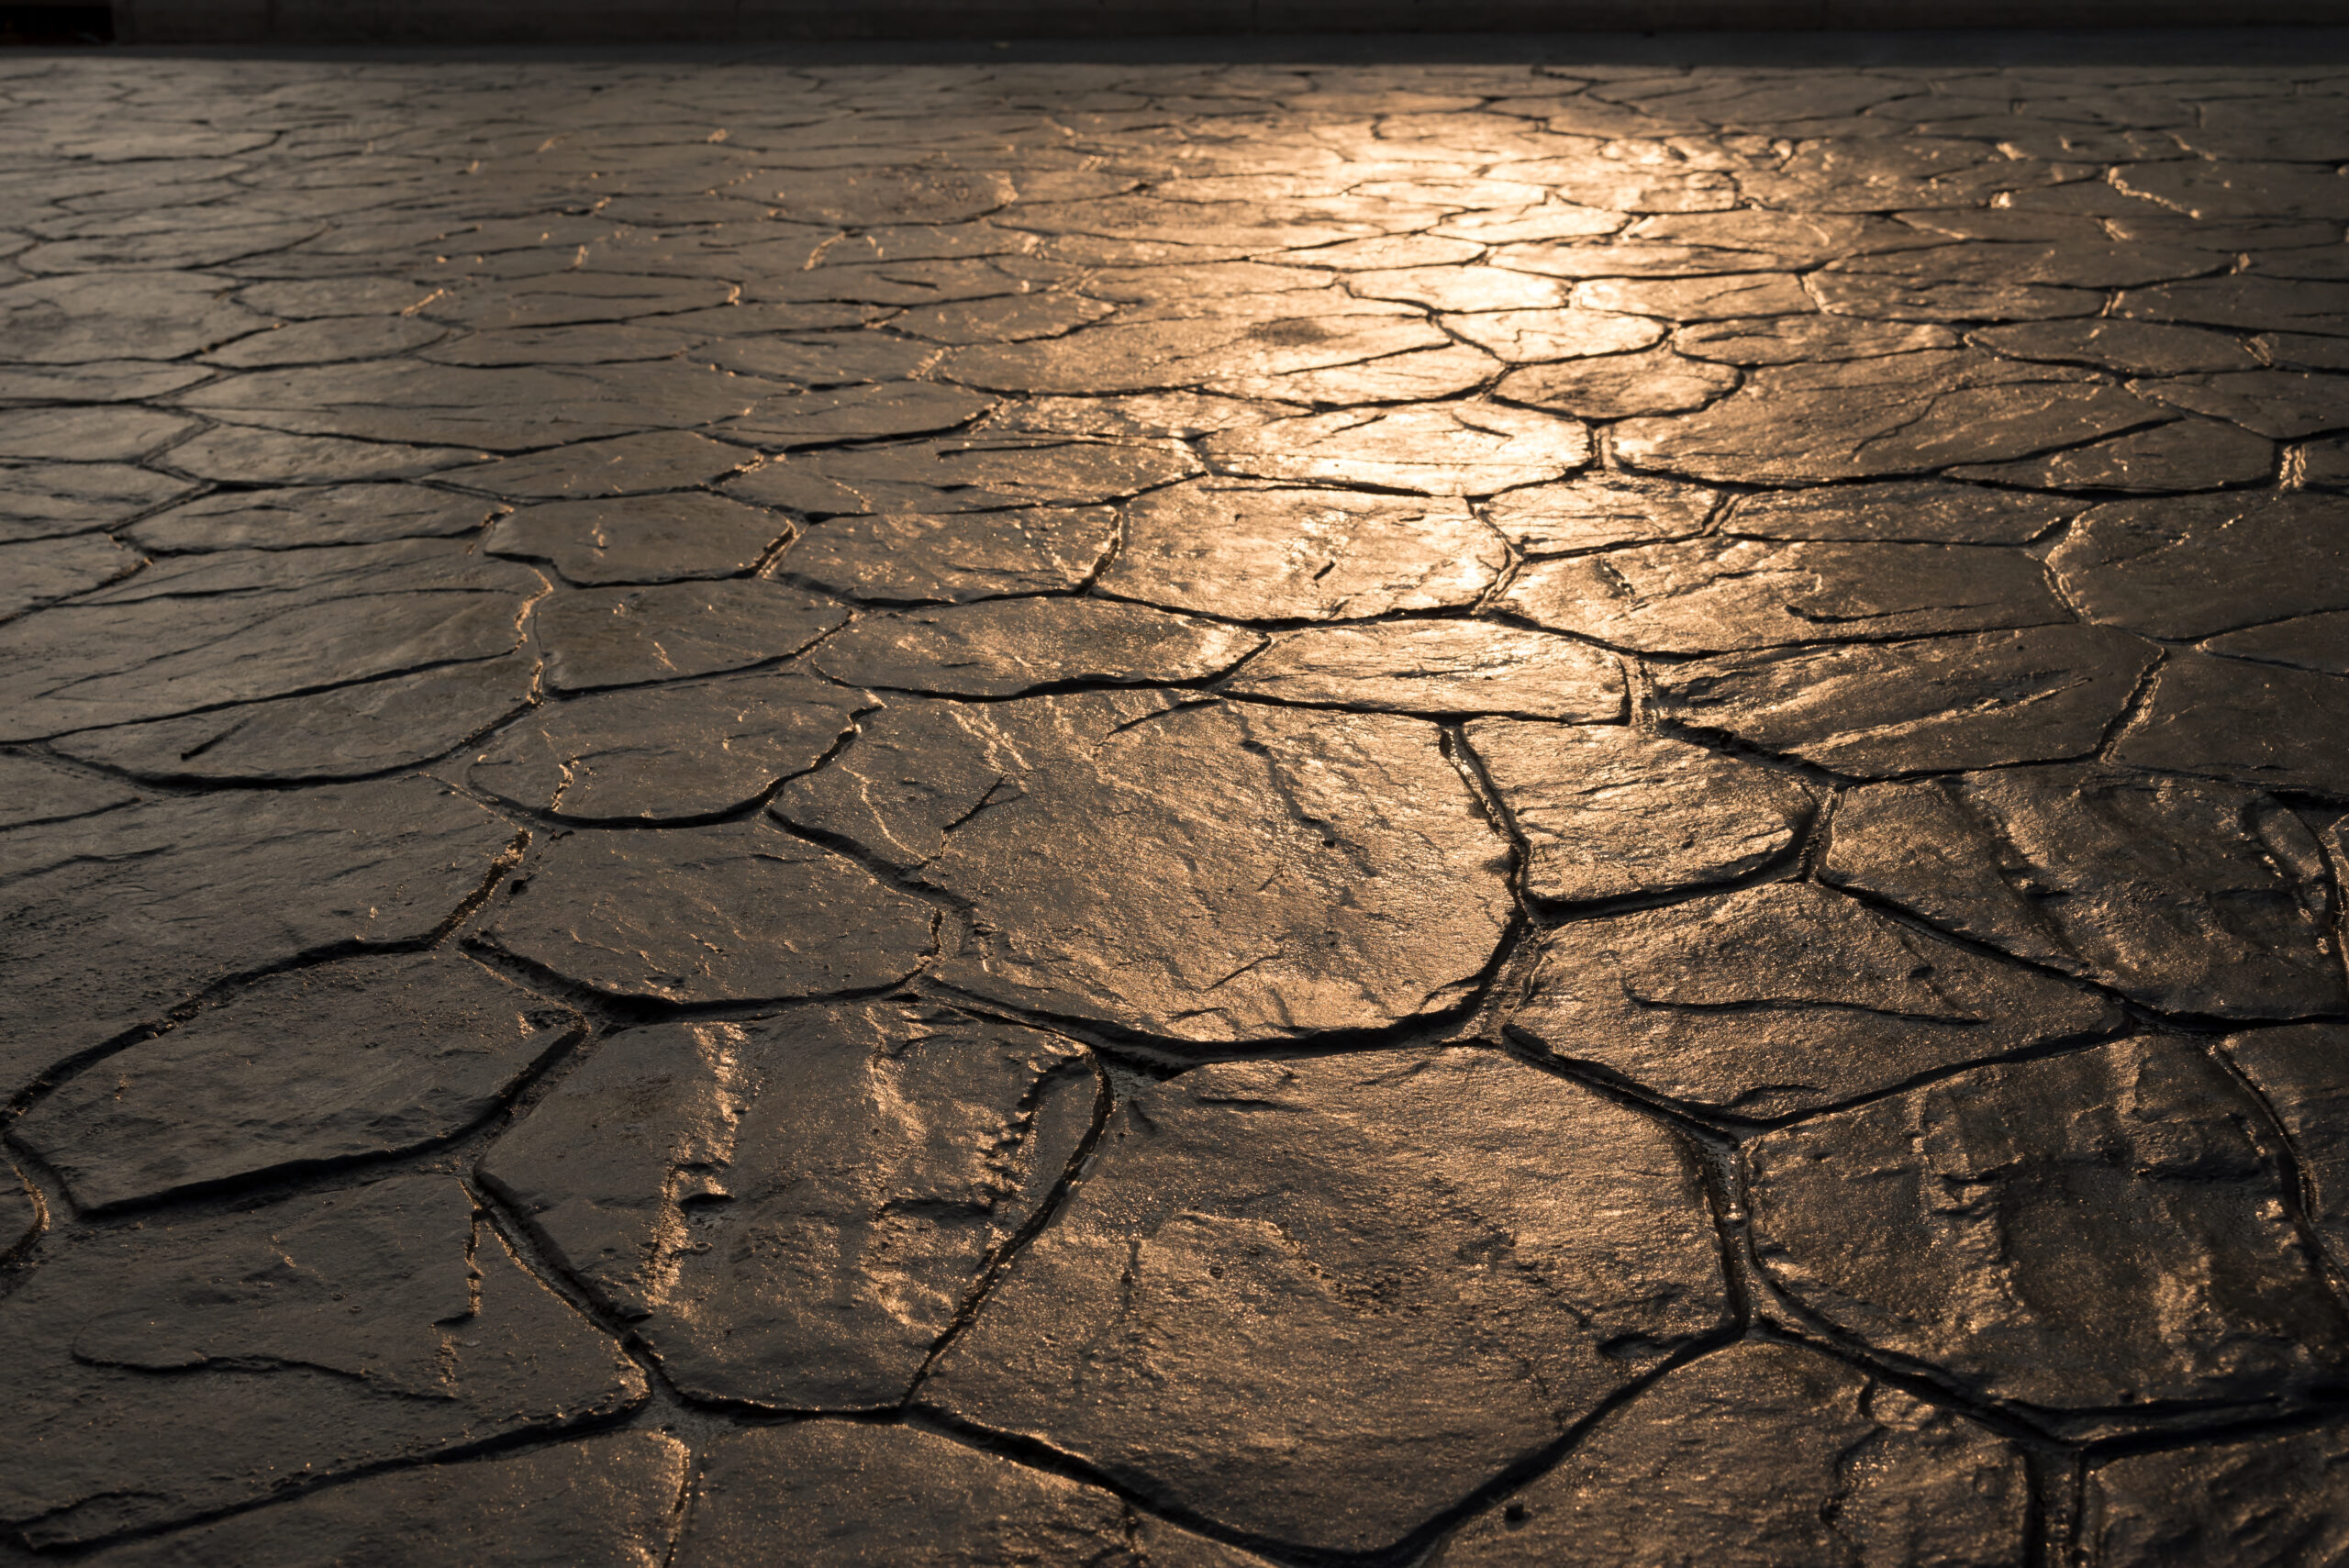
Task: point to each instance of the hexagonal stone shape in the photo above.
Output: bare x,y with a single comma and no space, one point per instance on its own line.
1783,998
115,919
189,1365
2281,1499
1319,1301
2185,897
600,1502
1761,1455
1185,869
367,1056
1264,553
1608,812
845,1495
2093,1237
667,753
791,1210
737,912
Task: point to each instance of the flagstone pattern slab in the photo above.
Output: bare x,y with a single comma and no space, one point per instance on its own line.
1174,814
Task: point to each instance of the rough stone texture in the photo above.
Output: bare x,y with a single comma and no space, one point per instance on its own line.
347,732
1001,648
847,1494
1782,999
953,558
2281,1499
790,1211
673,754
115,919
2017,1227
1438,667
1608,813
627,636
194,1364
1216,871
1261,553
1325,1336
738,912
641,538
601,1502
1238,560
2302,1072
362,1057
1715,595
2185,897
1761,1455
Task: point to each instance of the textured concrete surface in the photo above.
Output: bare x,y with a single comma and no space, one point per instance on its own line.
1173,813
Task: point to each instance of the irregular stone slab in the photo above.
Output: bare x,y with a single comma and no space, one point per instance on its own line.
1712,595
115,919
2185,896
311,1067
1538,337
1877,709
626,637
967,475
738,912
2302,1072
350,732
42,500
1327,1335
88,434
856,414
201,632
116,315
1420,376
2254,723
562,297
790,1211
2205,189
1698,299
327,341
247,455
1766,1454
1782,999
2193,565
1464,449
2129,347
669,754
1012,320
41,572
631,465
1797,339
2319,643
1285,335
841,359
1599,510
108,381
600,344
33,791
1263,552
1607,812
1002,647
840,1493
2017,1227
641,538
1911,511
617,1498
506,409
871,196
311,514
1870,418
954,558
190,1365
20,1212
2183,455
2279,1498
1146,859
1438,667
1619,386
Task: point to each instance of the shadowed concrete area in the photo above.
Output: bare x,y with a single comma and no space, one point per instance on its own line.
1158,812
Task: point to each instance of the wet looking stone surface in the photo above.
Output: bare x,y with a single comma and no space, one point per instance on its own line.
1176,813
